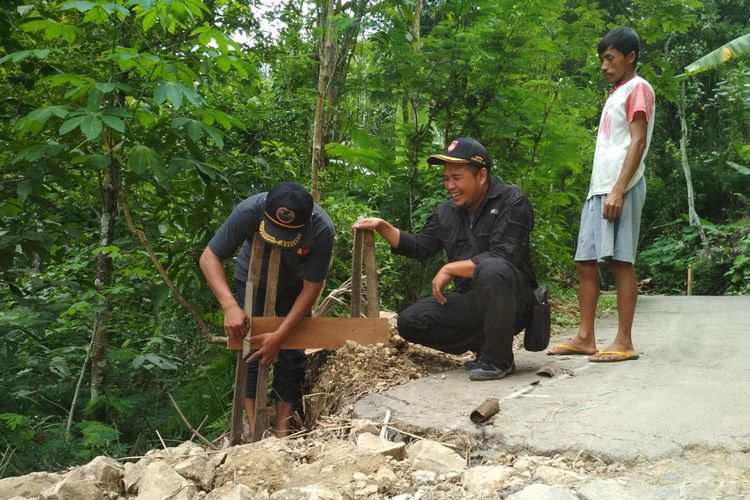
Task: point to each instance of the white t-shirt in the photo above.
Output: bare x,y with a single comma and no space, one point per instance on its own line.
613,139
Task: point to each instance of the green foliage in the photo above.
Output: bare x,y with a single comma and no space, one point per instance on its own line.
719,268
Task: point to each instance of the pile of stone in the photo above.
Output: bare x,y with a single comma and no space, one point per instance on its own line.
358,463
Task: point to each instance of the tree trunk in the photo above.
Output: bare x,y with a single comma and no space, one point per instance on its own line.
411,118
692,214
102,281
327,60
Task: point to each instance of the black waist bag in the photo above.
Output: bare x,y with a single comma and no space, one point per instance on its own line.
536,337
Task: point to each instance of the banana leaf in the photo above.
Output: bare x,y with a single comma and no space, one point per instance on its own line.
735,48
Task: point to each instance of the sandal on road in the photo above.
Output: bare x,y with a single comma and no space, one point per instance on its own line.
564,349
612,357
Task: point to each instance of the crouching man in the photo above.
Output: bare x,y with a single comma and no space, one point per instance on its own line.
484,230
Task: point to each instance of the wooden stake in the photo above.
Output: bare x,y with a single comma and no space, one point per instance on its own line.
240,372
269,310
356,301
371,270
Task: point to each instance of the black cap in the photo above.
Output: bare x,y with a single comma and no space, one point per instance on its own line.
463,150
286,211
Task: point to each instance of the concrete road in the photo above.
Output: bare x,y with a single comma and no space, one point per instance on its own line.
689,389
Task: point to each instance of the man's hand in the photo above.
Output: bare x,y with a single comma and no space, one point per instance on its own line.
385,229
613,205
439,282
367,224
268,346
236,322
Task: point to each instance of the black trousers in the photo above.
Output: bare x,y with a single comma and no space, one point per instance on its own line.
483,319
289,370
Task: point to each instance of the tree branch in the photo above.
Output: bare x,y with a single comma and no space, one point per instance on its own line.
202,327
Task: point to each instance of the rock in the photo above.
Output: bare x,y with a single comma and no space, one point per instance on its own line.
312,492
360,426
739,460
232,492
540,491
376,444
524,463
604,489
255,466
199,469
161,481
367,491
30,485
97,479
132,473
557,477
72,489
424,477
430,455
385,478
486,477
104,472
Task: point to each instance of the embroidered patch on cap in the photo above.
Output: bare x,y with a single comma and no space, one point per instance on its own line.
452,146
285,215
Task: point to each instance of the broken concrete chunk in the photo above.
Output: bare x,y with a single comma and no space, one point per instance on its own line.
431,455
380,446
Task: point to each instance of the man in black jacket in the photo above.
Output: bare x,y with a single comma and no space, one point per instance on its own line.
484,229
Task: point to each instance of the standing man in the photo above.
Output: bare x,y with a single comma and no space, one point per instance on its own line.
611,218
484,230
286,217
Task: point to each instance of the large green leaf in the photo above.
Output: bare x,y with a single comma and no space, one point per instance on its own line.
735,48
143,159
91,126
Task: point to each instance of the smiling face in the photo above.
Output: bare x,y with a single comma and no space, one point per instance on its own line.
466,187
616,66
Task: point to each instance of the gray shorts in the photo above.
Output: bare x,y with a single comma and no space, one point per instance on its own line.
603,240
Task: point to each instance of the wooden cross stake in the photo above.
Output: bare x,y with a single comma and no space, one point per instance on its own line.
310,333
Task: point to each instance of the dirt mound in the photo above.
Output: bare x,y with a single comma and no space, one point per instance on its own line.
356,370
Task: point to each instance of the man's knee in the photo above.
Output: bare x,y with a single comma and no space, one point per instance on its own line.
496,273
587,269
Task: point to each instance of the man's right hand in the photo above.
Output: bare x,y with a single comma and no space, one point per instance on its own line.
385,229
367,224
236,322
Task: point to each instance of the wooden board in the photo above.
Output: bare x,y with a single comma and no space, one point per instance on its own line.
322,333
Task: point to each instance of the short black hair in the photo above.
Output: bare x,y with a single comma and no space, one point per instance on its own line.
623,39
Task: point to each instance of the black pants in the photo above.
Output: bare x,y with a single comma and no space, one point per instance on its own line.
483,319
289,370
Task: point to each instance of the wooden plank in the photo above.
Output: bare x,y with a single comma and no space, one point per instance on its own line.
240,375
323,333
356,300
260,422
371,270
240,372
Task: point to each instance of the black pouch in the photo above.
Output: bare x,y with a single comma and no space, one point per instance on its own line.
536,336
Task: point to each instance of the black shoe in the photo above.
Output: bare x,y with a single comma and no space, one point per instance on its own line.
486,370
472,363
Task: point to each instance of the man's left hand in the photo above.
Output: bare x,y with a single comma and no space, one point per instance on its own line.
268,346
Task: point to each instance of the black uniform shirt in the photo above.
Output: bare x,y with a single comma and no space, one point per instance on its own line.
501,226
